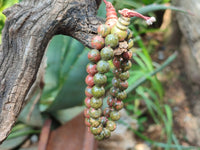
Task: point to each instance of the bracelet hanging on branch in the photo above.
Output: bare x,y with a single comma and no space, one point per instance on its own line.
113,42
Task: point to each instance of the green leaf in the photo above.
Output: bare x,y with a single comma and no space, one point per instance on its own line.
72,92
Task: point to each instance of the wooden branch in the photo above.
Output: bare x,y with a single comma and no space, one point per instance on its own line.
28,29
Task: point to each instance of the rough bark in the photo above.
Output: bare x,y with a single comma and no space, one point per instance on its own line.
189,26
29,27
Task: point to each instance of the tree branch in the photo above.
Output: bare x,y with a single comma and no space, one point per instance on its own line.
28,29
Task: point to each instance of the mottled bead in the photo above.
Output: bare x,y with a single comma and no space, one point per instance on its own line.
124,76
130,43
97,42
106,112
115,115
94,122
91,69
116,62
103,30
106,133
87,123
98,91
96,130
129,34
111,101
88,91
123,85
126,65
103,66
118,105
117,72
111,40
119,33
115,82
114,91
127,55
96,102
94,55
100,79
103,120
107,53
99,137
86,113
95,113
121,95
87,102
111,125
89,80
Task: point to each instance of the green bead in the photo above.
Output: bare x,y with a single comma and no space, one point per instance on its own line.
94,122
115,115
130,43
126,65
118,105
96,130
129,35
103,66
123,85
117,72
96,102
107,53
99,79
103,30
121,95
111,40
115,82
106,133
124,76
114,91
99,137
121,34
94,55
111,125
95,113
98,91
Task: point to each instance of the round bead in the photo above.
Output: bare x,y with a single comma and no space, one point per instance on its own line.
88,91
115,82
130,43
100,79
117,72
115,115
118,105
123,85
103,66
89,80
96,130
103,120
129,34
124,76
98,91
106,112
94,55
111,101
111,125
103,30
106,133
91,69
119,33
97,42
107,53
114,91
99,137
96,103
116,62
111,40
127,55
87,102
86,113
94,122
121,95
95,113
87,123
126,65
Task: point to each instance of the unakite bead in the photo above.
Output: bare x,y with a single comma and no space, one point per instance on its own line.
121,34
123,85
106,112
111,125
94,122
129,34
118,105
106,133
94,55
117,72
121,95
99,137
111,101
126,65
114,91
115,115
97,42
98,91
95,113
103,66
91,69
124,76
115,82
103,120
96,130
107,53
111,40
103,30
87,123
88,91
96,102
130,43
100,79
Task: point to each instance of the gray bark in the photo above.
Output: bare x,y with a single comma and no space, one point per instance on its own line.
29,27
